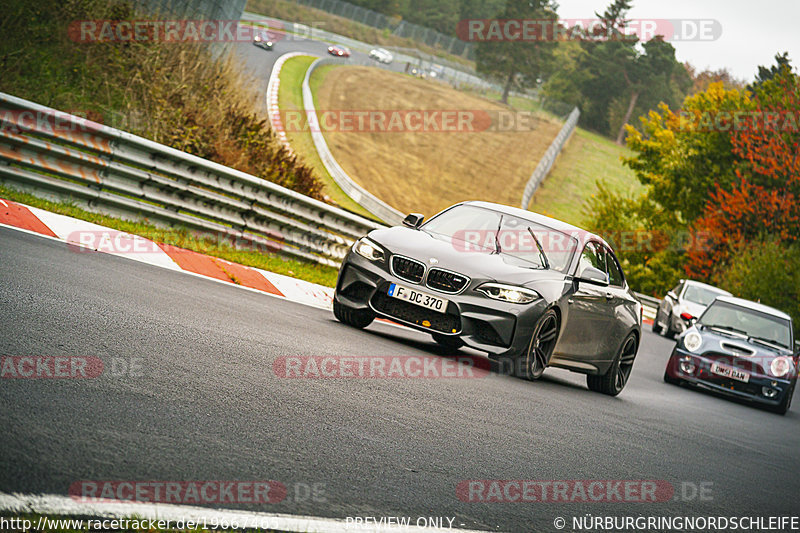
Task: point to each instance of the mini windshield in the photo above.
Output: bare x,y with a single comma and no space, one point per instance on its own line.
731,317
476,229
700,295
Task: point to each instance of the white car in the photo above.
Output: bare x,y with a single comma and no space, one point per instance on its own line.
683,304
381,55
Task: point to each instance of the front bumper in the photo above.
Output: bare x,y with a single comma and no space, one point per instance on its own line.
701,376
498,328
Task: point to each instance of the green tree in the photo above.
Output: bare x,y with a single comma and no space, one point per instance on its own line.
682,156
617,76
765,270
517,62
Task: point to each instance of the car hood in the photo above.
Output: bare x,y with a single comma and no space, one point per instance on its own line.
692,308
733,348
484,264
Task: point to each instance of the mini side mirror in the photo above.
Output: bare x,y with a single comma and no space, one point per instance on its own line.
594,276
413,220
672,295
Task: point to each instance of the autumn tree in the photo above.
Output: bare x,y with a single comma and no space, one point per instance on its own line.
765,196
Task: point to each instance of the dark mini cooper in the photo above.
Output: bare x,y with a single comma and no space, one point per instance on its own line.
511,283
739,348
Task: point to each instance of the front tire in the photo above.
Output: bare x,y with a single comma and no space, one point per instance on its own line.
531,365
357,318
615,379
656,325
669,379
783,407
669,332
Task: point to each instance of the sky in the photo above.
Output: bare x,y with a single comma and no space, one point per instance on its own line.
752,31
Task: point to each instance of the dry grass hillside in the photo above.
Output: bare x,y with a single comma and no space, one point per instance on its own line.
427,171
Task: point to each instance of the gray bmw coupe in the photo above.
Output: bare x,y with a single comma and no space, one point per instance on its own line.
514,284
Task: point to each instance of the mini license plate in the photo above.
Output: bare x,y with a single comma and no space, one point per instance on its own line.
417,298
730,372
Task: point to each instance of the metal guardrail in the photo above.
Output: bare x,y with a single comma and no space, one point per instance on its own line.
398,27
70,158
649,303
361,196
546,163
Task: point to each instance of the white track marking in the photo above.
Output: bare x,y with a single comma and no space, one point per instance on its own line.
51,504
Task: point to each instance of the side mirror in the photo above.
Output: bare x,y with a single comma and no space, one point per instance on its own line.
594,276
797,347
672,295
413,220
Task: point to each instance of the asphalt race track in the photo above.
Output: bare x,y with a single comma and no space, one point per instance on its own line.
202,402
257,62
192,395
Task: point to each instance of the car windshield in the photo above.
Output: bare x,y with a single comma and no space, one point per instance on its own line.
475,229
700,295
725,315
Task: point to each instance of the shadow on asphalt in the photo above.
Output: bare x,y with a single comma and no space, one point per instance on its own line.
473,358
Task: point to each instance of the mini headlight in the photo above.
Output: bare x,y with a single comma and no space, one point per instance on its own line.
780,366
509,293
368,249
692,341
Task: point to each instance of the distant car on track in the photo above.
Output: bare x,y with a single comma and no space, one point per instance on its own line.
681,305
514,284
339,51
739,348
381,55
263,40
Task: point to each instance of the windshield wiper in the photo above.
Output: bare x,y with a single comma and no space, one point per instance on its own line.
725,328
497,236
545,262
769,342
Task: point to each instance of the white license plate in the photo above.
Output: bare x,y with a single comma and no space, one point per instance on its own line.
730,372
418,298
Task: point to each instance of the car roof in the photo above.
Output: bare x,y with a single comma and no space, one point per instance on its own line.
707,286
741,302
553,223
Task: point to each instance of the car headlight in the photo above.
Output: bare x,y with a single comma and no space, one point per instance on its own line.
780,366
368,249
692,341
509,293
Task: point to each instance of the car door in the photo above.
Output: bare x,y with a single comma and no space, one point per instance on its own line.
622,307
589,312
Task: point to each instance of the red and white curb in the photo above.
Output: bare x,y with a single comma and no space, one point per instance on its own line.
53,505
273,86
106,240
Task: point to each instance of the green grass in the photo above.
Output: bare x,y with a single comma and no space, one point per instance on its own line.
290,98
587,159
185,238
